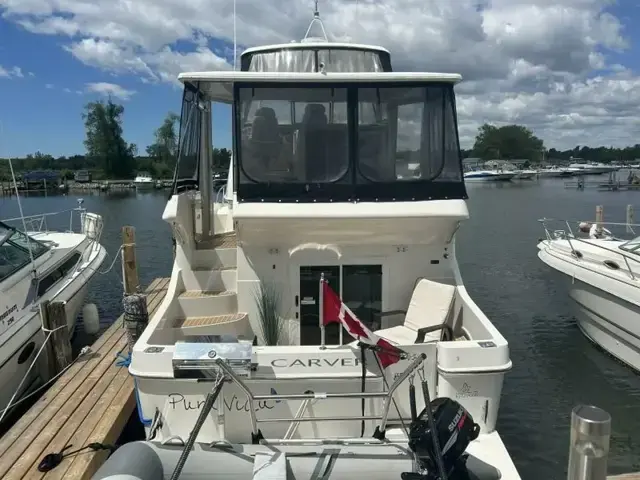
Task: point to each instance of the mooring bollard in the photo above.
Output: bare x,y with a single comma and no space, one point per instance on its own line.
589,444
136,316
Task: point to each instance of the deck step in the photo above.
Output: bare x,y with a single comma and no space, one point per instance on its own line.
201,303
221,240
210,279
205,293
210,320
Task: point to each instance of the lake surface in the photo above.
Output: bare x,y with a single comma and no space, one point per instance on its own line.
554,366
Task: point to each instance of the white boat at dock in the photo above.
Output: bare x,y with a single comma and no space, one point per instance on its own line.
36,265
493,175
268,354
144,181
603,274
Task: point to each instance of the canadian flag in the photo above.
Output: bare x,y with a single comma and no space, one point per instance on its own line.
334,311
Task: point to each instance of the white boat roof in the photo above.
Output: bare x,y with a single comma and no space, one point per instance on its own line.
311,45
318,77
219,87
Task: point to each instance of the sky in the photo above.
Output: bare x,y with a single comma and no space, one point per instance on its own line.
567,69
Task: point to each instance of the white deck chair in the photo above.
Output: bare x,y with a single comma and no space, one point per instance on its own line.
430,307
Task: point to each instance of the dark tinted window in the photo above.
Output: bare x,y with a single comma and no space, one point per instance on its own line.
54,276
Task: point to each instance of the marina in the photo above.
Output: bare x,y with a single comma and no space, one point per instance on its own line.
491,286
306,315
90,403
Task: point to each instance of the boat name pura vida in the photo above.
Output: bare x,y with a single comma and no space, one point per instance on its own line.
234,404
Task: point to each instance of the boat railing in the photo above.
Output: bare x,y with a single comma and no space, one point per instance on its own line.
572,239
294,421
80,221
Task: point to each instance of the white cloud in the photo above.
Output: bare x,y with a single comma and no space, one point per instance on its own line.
13,72
107,89
542,63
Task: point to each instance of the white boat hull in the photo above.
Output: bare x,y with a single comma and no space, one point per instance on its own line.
16,367
607,301
609,322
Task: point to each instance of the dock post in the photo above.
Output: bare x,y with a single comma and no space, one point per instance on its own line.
59,353
629,218
589,443
129,265
599,219
136,317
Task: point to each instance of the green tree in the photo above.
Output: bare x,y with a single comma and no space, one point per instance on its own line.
508,142
104,142
165,147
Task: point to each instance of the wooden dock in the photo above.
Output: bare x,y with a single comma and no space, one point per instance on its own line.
91,402
625,476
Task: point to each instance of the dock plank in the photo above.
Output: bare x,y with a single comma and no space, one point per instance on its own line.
625,476
90,402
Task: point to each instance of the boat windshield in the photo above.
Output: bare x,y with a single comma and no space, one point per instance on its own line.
632,245
14,250
371,140
314,59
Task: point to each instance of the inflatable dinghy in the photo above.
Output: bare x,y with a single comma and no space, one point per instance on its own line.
151,461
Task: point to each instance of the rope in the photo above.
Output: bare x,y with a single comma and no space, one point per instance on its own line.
124,360
11,403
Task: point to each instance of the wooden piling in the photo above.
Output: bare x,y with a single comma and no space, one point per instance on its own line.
129,265
59,353
599,218
630,219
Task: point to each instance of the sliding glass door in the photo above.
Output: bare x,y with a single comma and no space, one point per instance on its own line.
359,286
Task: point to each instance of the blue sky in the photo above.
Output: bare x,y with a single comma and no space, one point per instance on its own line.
55,56
42,110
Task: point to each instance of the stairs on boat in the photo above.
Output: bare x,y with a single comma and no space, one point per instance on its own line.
209,303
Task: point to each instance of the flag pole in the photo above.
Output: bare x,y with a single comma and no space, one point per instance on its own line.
321,316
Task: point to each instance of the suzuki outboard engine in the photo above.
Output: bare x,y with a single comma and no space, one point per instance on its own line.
455,429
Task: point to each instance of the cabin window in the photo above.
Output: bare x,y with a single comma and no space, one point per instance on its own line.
14,250
294,135
12,258
347,142
407,134
27,243
189,137
54,276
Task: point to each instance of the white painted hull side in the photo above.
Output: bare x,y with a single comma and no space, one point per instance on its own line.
15,368
607,300
28,338
608,321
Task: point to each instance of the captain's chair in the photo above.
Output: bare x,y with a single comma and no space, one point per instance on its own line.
265,136
311,144
428,316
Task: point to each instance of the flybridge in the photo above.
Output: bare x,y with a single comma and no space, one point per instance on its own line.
316,54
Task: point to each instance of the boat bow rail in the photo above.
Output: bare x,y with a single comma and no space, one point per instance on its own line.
605,251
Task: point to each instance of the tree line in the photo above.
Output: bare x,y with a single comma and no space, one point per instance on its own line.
516,142
108,155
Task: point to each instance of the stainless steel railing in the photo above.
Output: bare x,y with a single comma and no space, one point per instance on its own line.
388,396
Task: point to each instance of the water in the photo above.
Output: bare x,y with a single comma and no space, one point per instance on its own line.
555,367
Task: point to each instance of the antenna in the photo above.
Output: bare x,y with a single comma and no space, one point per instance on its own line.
316,18
235,43
15,186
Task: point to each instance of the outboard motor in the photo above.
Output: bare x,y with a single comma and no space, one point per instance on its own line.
455,429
